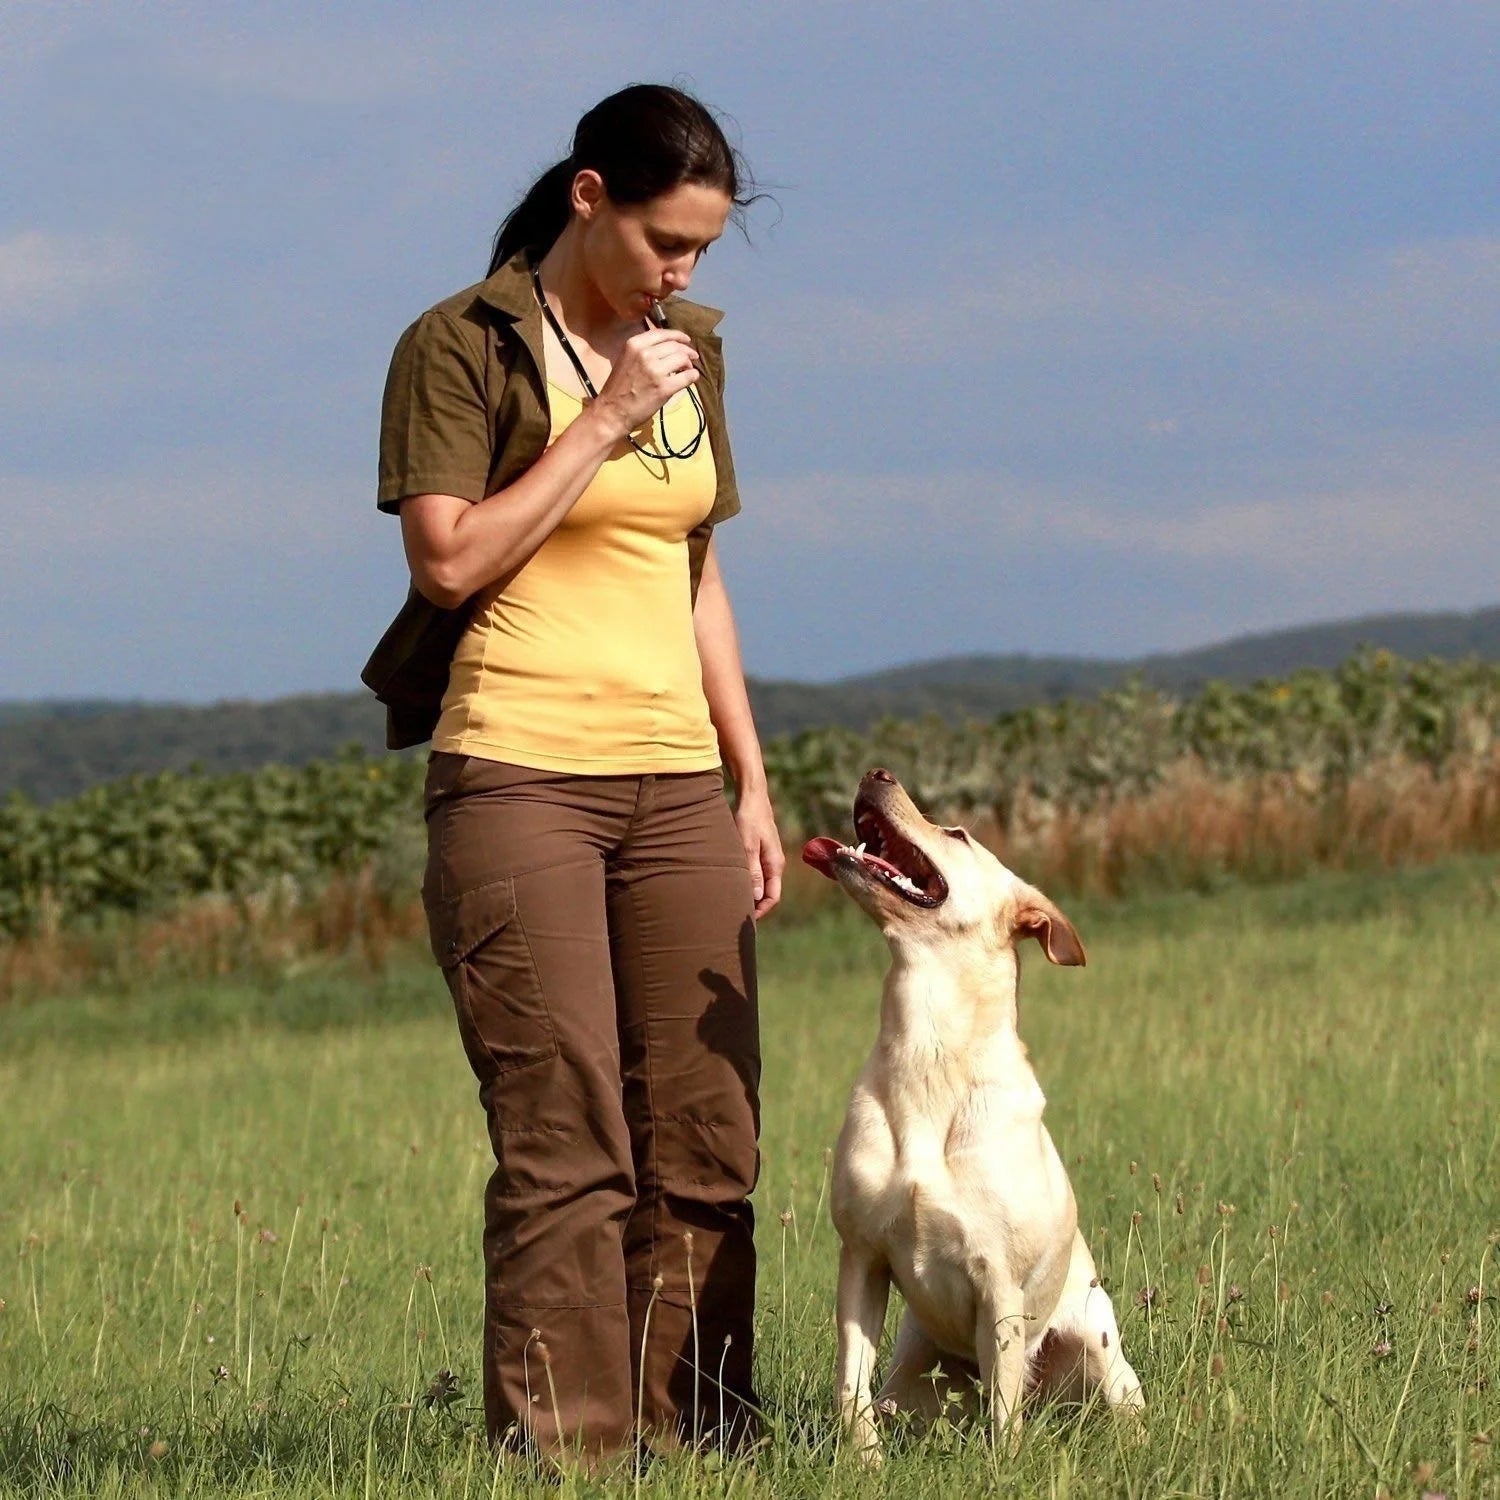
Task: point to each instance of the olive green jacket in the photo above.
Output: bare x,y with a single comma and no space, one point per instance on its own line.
465,413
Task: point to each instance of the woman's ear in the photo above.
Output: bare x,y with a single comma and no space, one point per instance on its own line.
1037,917
586,193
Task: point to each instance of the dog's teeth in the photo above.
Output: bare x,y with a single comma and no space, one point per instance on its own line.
859,849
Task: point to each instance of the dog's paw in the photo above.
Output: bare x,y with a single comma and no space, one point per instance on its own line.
1130,1419
862,1436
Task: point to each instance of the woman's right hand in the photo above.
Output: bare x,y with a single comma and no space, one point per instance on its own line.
653,366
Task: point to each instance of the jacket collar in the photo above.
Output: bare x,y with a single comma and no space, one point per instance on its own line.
509,292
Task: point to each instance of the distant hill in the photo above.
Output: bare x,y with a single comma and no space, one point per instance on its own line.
60,749
63,708
958,687
51,750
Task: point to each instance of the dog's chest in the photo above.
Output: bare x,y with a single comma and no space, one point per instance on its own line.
955,1203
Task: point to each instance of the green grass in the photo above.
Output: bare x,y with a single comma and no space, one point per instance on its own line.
1308,1071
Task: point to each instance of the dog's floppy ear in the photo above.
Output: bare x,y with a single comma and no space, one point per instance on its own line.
1037,917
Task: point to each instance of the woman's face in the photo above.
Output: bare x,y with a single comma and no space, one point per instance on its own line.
638,253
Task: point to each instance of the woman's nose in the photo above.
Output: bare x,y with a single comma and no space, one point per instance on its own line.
679,273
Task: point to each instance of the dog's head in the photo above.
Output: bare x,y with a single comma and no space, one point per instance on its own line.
923,883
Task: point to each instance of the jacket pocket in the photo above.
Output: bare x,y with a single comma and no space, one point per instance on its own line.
482,947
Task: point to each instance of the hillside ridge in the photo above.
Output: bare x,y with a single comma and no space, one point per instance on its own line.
58,748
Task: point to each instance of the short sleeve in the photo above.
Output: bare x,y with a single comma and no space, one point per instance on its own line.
434,420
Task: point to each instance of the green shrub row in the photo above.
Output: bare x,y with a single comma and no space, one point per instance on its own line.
146,842
1316,729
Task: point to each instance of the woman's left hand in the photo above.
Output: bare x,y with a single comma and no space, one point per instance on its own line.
757,825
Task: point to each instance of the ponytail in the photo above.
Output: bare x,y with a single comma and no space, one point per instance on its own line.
537,220
643,141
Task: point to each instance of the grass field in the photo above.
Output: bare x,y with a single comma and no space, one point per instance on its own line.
239,1221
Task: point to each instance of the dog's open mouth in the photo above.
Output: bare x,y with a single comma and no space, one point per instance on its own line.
882,854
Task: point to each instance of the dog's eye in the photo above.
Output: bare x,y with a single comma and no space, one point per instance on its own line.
958,833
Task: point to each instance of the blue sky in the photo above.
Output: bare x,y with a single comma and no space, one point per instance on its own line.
1076,327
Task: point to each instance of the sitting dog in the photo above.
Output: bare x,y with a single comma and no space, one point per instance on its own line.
945,1179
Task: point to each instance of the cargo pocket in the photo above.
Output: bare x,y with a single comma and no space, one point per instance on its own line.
486,958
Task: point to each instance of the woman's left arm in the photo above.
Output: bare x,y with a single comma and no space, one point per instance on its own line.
729,708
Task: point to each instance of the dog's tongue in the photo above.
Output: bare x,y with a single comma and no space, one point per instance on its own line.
819,854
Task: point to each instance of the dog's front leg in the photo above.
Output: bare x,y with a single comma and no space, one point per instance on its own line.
1085,1314
1105,1364
1000,1343
864,1287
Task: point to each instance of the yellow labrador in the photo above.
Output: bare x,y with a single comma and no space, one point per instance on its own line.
945,1179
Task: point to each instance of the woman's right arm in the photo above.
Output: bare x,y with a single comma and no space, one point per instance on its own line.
455,547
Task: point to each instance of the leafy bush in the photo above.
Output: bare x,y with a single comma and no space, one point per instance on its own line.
1378,760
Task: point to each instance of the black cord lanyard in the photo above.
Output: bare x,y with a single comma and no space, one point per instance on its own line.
588,385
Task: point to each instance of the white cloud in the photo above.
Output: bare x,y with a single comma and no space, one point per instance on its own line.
1396,509
1362,529
1435,292
45,278
207,576
192,504
837,573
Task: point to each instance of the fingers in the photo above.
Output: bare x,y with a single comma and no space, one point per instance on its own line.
659,358
769,897
679,380
663,347
766,862
654,366
650,336
660,386
670,362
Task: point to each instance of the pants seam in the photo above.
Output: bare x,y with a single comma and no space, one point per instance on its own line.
513,875
654,1174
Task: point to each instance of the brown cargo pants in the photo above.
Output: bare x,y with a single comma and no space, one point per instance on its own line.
597,938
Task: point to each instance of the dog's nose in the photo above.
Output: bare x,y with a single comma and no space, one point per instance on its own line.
879,773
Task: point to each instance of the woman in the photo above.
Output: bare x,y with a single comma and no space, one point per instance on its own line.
554,443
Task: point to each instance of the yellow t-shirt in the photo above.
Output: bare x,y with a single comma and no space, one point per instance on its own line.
585,661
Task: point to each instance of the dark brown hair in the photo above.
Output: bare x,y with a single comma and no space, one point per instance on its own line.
643,141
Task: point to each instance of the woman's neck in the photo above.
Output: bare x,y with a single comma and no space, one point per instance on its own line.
574,296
